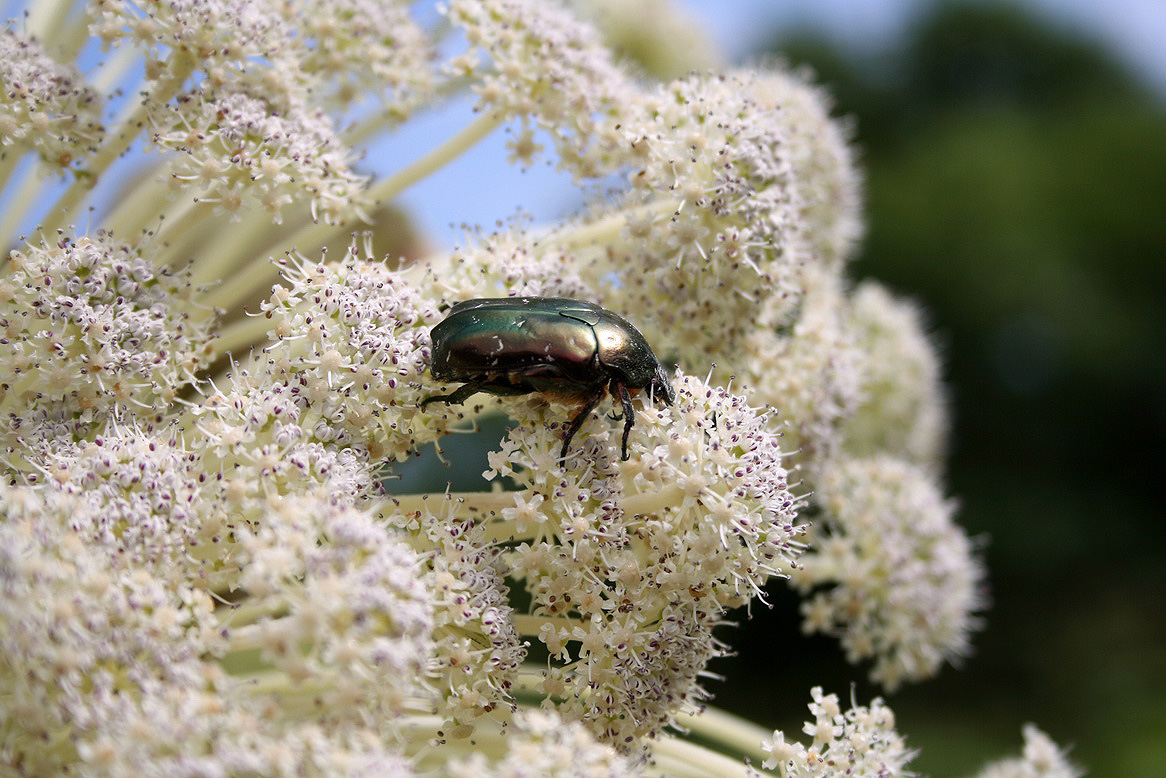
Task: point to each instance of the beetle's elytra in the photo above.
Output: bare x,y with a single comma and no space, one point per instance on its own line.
570,349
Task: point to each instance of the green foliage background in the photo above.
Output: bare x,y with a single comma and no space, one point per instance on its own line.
1017,188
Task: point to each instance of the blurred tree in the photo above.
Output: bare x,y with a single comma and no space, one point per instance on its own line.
1017,185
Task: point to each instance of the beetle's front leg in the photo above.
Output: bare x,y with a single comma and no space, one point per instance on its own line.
581,417
629,415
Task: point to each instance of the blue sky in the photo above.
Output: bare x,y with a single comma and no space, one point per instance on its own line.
482,188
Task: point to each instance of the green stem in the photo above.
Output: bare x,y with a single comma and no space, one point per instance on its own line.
236,617
375,123
110,73
24,193
179,229
733,732
68,36
314,235
10,157
46,17
652,502
139,206
607,230
681,759
245,241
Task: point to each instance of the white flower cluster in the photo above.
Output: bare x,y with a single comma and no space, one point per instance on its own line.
534,60
540,743
860,742
201,571
352,48
656,36
1041,759
477,650
630,567
45,106
243,149
215,33
902,408
91,327
350,345
895,578
709,230
77,633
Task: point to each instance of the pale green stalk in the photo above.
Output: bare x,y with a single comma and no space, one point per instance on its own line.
23,190
110,74
68,36
182,226
134,117
530,625
372,125
606,231
681,759
139,206
248,238
314,235
8,162
46,17
733,732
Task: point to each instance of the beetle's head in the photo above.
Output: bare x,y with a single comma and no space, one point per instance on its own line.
660,387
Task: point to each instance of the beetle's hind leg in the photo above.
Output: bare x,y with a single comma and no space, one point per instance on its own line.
456,397
629,414
468,390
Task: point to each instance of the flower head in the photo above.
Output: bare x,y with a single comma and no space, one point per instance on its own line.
861,741
630,565
537,61
212,33
91,327
541,743
78,632
351,343
1041,759
246,148
893,576
354,47
711,215
902,407
45,106
336,603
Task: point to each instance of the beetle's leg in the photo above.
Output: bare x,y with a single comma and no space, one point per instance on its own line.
456,397
468,390
629,415
581,417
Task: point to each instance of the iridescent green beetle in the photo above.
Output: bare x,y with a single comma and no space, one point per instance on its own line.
571,350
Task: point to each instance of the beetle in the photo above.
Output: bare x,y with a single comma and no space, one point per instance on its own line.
570,350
